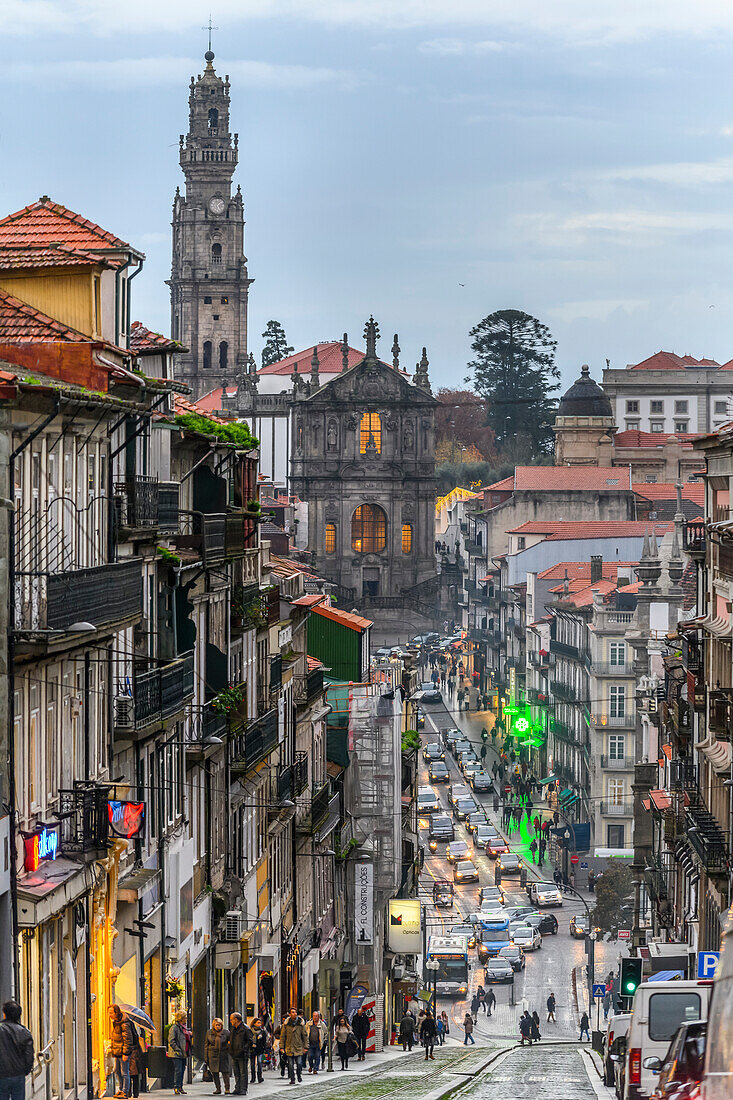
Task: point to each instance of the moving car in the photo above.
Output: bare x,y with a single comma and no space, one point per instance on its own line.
475,821
425,639
514,912
514,955
498,970
484,834
465,930
462,745
658,1010
430,693
433,751
419,719
481,781
580,927
682,1069
465,871
469,767
457,850
491,895
545,893
510,863
427,801
458,790
527,937
463,808
546,923
450,736
440,829
497,846
443,894
438,771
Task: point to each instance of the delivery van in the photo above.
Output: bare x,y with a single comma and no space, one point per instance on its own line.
658,1010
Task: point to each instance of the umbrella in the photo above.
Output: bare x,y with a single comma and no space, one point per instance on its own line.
138,1016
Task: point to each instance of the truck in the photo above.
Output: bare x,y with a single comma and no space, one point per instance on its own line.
452,976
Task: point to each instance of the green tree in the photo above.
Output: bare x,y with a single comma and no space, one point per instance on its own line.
612,891
514,369
276,344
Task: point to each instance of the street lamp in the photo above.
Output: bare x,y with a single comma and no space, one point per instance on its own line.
434,966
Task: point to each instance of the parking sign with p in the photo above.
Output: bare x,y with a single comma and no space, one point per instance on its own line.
706,964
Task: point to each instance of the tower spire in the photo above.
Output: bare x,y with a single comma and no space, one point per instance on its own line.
345,353
209,55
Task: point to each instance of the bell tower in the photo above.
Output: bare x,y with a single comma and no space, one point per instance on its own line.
209,282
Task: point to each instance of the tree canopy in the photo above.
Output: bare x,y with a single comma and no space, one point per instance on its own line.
276,344
514,371
612,890
461,422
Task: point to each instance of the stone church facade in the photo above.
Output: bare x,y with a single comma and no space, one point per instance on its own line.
362,456
209,282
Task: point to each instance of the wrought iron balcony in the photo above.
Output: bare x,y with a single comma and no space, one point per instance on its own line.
157,694
706,836
169,493
565,692
720,706
205,533
694,538
618,809
627,720
84,820
252,745
136,501
207,723
316,812
473,549
102,595
605,668
300,772
238,533
616,763
563,649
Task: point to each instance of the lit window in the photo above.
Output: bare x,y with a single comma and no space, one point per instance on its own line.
615,791
330,538
617,701
370,433
407,538
368,529
225,301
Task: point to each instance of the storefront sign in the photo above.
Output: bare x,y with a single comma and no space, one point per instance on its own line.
364,903
42,845
126,819
404,932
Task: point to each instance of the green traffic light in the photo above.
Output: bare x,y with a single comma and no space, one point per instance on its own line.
630,986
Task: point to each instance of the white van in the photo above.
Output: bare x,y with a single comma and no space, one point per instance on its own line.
658,1010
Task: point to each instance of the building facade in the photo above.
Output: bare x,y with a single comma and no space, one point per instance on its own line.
669,393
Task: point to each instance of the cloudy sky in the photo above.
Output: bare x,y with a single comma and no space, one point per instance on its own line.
425,161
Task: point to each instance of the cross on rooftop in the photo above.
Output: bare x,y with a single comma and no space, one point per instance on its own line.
210,28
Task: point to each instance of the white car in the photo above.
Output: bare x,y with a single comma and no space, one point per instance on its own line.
527,937
546,893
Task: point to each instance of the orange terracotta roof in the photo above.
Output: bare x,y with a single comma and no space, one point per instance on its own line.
309,601
555,530
45,223
22,324
329,360
645,440
58,256
212,400
143,341
583,597
580,570
667,490
570,478
660,799
182,406
346,618
668,360
314,663
506,484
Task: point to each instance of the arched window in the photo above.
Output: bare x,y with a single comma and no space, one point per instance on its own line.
223,355
368,529
216,253
370,433
330,538
207,354
407,538
213,120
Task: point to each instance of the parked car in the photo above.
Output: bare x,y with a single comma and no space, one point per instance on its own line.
615,1034
481,781
513,955
419,719
658,1010
682,1068
457,850
433,751
438,772
498,969
527,937
465,871
510,863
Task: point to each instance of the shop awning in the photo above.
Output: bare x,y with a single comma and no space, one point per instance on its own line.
660,799
550,779
47,891
136,885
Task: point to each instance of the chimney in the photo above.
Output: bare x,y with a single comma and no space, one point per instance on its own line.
596,568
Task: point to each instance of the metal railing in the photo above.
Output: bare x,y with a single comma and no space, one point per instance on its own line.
617,809
157,693
137,500
616,763
606,668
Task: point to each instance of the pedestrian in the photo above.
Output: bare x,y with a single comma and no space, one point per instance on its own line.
496,802
468,1029
317,1035
442,678
490,1002
257,1051
591,880
428,1032
533,848
475,1002
120,1047
446,1025
343,1034
482,754
536,824
584,1027
435,677
240,1044
17,1055
137,1062
216,1055
177,1050
294,1040
440,1026
407,1030
360,1025
551,1008
481,994
525,1029
535,1030
557,875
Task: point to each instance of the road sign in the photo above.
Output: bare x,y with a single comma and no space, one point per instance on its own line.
624,933
706,963
574,860
583,865
599,989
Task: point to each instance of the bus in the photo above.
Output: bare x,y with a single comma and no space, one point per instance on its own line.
452,954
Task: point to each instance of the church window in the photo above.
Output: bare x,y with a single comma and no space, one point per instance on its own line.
213,120
215,316
406,538
207,300
330,538
225,301
370,433
216,253
223,355
207,354
368,529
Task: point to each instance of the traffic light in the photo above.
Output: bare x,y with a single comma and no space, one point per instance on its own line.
630,976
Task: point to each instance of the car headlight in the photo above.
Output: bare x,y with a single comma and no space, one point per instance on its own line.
433,846
462,989
459,874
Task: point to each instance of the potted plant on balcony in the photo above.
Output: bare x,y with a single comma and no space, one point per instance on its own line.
231,701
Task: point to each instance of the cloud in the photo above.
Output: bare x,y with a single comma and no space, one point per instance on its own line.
634,228
595,309
680,173
157,71
457,47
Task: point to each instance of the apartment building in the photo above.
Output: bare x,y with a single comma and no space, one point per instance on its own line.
670,394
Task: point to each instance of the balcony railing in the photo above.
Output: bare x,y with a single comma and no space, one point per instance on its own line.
253,744
238,533
137,502
473,549
84,819
101,595
317,811
693,537
605,668
169,494
205,533
616,763
157,693
615,721
618,809
563,691
564,649
300,772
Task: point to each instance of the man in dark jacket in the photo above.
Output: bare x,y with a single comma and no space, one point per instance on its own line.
360,1025
240,1045
407,1030
16,1053
428,1031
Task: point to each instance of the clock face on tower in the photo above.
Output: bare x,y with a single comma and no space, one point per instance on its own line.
217,206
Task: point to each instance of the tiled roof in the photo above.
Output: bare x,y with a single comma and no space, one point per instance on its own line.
636,438
58,256
580,570
183,406
212,399
346,618
667,490
506,484
22,324
313,663
667,360
555,530
329,360
563,478
45,223
309,601
583,596
143,340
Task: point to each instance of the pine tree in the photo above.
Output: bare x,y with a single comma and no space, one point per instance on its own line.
276,344
515,371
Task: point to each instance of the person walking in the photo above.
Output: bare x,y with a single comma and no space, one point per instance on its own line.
481,994
591,880
342,1033
257,1051
533,848
525,1029
407,1030
475,1002
428,1031
120,1047
440,1027
490,1002
240,1043
551,1008
468,1029
584,1027
137,1062
317,1035
17,1054
216,1055
177,1050
535,1028
361,1025
294,1039
536,824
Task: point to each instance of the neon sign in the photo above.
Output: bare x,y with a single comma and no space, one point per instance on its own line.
43,845
126,819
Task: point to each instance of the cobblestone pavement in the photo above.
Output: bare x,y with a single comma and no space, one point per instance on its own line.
529,1073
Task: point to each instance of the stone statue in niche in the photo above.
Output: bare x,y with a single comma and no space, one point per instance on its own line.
409,436
299,436
353,422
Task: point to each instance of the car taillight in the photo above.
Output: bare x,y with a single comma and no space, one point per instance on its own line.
635,1066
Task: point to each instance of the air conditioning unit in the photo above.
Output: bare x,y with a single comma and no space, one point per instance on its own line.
231,929
398,973
124,712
